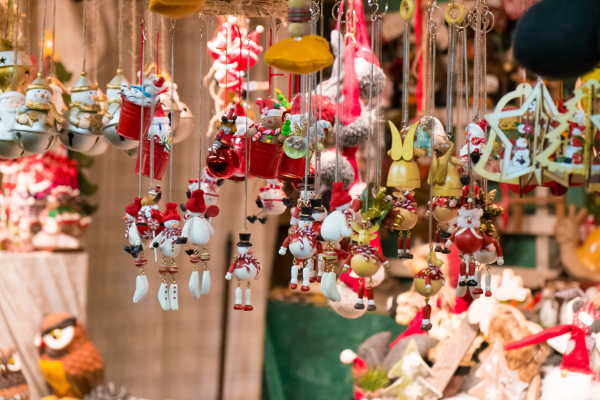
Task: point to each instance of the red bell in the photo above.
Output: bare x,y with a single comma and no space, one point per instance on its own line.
265,159
223,163
161,159
129,120
292,169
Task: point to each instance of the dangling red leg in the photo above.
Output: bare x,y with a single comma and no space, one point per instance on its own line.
360,302
371,299
407,253
401,245
438,242
471,279
426,324
462,276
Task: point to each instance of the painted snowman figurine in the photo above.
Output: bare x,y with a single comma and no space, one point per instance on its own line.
198,232
37,122
245,268
137,245
112,112
469,240
520,157
319,214
169,241
365,261
10,103
302,242
270,200
85,117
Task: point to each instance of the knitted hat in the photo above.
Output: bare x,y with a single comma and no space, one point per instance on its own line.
171,212
196,202
339,196
134,208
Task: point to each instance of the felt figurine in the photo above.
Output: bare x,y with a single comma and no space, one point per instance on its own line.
336,225
270,201
469,239
365,261
303,244
198,232
169,241
37,122
68,359
428,282
112,112
10,103
244,267
266,150
222,161
13,384
137,244
83,131
160,133
209,184
307,191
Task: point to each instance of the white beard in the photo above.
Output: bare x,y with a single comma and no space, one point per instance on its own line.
475,214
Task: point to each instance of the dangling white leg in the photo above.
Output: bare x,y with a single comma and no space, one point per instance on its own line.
238,299
333,290
205,282
306,277
488,285
173,297
320,266
146,287
324,287
476,290
195,285
461,291
294,281
140,288
163,296
248,306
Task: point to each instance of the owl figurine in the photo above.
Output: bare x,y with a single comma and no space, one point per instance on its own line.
69,360
12,381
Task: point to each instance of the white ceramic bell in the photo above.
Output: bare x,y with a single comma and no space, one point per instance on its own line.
186,123
6,69
113,109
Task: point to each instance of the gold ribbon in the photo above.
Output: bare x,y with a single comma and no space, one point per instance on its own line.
31,118
85,107
52,116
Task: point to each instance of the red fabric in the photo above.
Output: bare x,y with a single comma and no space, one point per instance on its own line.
349,154
196,202
134,208
413,329
577,360
350,109
418,34
171,213
339,196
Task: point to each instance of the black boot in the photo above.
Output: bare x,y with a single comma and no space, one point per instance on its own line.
359,306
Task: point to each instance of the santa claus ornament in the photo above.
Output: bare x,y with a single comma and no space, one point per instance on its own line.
365,260
198,231
303,244
266,151
169,241
10,103
222,161
245,268
470,240
37,122
428,282
270,201
160,134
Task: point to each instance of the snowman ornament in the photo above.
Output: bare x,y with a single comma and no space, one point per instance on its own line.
197,230
520,159
270,201
137,245
10,103
37,122
245,268
169,242
302,243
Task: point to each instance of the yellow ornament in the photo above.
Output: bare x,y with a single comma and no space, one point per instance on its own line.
303,55
404,171
176,8
446,179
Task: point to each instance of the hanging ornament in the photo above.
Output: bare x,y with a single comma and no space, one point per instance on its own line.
245,268
209,185
270,201
239,144
110,119
160,133
266,150
343,208
365,260
131,109
137,244
222,161
307,251
169,241
11,102
428,282
198,231
24,65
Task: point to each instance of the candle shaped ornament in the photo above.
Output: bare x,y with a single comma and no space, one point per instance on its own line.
222,161
37,122
83,131
198,231
11,102
169,242
365,260
112,113
428,282
245,268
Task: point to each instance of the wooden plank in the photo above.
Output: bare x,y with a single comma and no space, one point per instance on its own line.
533,392
446,365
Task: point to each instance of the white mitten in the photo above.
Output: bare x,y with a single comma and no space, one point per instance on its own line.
228,276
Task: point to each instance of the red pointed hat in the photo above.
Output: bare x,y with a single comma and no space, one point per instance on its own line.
482,124
196,202
269,108
134,208
171,213
239,110
339,196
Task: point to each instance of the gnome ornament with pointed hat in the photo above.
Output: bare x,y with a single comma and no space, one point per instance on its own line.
469,240
112,113
85,117
222,161
160,133
198,231
11,102
169,242
303,244
37,123
245,268
137,244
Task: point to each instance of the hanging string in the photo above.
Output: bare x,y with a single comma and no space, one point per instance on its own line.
458,138
450,78
466,64
119,32
152,109
84,31
373,19
476,62
132,52
379,119
172,100
246,139
52,63
162,43
337,86
431,48
200,155
142,73
95,19
405,72
41,60
318,159
16,48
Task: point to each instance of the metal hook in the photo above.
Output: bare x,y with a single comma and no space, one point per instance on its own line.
337,4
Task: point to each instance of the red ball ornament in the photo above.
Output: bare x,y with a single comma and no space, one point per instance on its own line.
223,163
